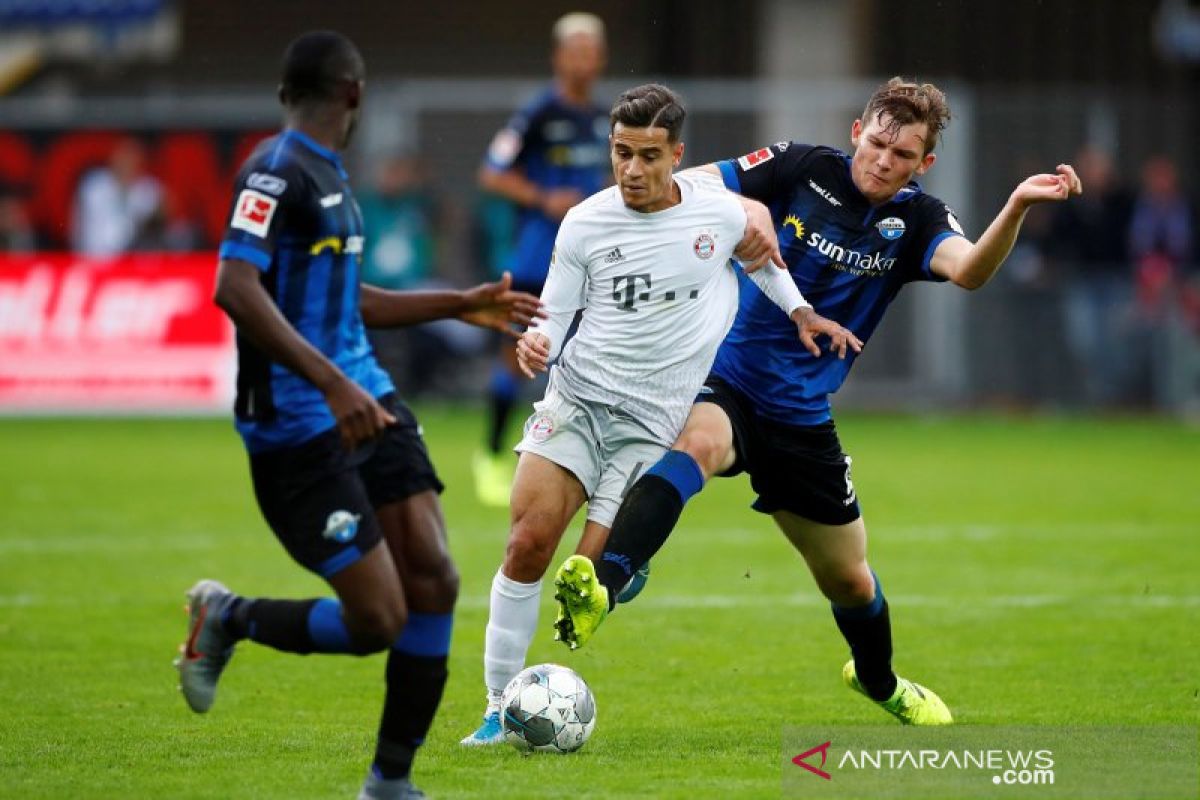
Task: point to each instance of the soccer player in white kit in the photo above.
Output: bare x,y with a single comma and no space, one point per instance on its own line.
649,263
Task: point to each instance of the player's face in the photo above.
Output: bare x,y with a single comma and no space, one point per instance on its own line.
579,59
642,160
885,159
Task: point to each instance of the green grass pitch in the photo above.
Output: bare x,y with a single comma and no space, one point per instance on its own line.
1040,572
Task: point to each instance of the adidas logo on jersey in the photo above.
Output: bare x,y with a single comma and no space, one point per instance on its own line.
614,256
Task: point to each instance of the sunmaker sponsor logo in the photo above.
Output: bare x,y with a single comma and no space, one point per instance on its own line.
847,260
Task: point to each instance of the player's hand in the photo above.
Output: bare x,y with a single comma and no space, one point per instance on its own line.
810,325
759,243
1047,188
359,416
557,202
495,305
533,353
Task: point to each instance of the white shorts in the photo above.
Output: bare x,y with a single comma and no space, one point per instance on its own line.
606,450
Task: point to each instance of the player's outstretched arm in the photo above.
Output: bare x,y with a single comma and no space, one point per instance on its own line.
489,305
971,264
241,295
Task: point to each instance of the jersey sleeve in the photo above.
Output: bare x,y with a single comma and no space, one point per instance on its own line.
766,173
262,200
565,290
510,144
935,222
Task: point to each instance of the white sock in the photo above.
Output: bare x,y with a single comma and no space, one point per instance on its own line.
511,625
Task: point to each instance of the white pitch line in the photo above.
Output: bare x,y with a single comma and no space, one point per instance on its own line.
678,601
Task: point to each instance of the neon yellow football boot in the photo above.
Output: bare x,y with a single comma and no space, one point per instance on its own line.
911,703
582,602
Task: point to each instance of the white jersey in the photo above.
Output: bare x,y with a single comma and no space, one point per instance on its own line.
658,293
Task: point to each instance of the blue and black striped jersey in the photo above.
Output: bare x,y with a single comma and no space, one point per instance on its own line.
848,258
295,218
558,146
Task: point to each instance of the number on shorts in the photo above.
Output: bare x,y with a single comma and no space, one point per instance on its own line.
850,497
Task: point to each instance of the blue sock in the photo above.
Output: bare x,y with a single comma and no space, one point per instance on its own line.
868,631
681,471
426,634
326,627
416,676
647,516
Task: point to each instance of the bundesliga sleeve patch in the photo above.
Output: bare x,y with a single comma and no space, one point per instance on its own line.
751,160
504,147
253,212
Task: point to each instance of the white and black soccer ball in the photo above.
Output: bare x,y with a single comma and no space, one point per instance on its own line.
547,708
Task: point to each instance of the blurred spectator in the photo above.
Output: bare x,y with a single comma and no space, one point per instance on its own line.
1088,253
16,232
1162,238
1161,235
118,207
168,229
401,218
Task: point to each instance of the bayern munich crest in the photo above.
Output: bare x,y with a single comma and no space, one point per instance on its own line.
540,428
704,246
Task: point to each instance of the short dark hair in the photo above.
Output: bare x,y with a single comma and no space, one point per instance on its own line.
650,105
907,103
315,63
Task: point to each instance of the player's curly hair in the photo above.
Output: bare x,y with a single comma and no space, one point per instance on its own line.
650,105
905,103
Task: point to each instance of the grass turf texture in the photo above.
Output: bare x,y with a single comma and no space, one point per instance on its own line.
1040,572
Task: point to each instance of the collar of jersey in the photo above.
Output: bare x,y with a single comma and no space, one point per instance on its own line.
906,193
321,150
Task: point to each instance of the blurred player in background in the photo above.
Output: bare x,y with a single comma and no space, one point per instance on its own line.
648,263
853,230
339,467
552,154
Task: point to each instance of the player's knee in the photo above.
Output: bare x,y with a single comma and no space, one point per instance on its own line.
444,581
848,589
374,629
707,450
528,553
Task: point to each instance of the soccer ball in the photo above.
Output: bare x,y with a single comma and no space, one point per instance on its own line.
548,708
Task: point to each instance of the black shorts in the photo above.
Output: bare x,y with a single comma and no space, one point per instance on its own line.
320,499
796,468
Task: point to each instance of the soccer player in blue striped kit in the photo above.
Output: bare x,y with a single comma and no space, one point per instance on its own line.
339,467
853,229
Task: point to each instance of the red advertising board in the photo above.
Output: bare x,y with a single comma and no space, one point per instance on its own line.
132,334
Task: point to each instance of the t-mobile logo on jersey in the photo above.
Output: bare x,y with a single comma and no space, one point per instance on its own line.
625,291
